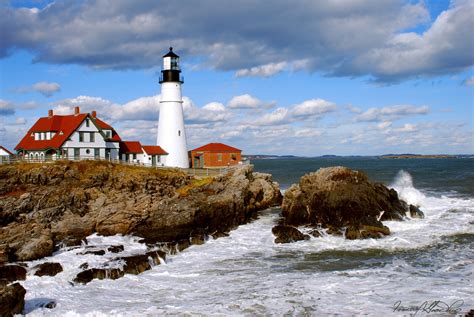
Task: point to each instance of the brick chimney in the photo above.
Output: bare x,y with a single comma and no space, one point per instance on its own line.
94,114
50,113
76,110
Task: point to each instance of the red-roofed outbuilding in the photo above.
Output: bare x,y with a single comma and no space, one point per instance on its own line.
215,155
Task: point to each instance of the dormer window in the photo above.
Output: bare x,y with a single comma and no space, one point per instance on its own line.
61,133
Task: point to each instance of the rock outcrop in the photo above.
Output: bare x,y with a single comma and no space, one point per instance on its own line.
343,201
10,273
46,206
286,234
12,299
48,268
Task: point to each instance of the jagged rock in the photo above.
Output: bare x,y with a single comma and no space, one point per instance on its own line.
287,234
84,266
36,248
415,212
115,248
86,276
48,268
315,233
136,264
337,198
12,299
156,256
4,253
217,235
12,273
95,252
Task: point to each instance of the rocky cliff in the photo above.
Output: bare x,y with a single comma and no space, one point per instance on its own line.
45,206
342,201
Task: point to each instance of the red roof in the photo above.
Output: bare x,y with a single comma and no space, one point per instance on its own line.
104,125
154,150
1,147
133,147
64,126
217,147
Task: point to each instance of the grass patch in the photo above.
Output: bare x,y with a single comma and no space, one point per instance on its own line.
194,183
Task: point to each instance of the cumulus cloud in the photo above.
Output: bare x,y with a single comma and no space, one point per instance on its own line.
313,107
276,117
266,70
6,108
391,113
247,101
210,113
442,49
339,38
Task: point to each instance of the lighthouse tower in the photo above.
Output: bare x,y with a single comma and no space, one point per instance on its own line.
171,133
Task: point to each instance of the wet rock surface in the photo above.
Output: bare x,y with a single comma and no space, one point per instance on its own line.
287,234
12,299
10,273
343,201
48,268
133,264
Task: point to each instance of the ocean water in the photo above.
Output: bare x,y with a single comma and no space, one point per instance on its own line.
425,264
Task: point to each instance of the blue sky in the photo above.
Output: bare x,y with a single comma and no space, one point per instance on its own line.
355,77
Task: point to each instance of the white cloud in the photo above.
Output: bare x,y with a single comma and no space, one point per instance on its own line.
442,49
384,125
307,133
266,70
247,101
6,108
407,127
214,106
276,117
391,112
312,107
45,88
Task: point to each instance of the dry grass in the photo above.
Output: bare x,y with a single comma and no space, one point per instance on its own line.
88,168
195,183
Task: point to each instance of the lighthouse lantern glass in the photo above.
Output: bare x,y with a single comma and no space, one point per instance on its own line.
174,63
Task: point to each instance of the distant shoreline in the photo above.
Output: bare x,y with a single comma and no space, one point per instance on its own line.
385,156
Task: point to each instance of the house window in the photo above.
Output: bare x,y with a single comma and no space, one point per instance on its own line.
179,132
234,157
88,151
92,137
81,136
88,123
107,134
134,156
219,157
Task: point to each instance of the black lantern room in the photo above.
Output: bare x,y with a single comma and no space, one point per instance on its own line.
171,71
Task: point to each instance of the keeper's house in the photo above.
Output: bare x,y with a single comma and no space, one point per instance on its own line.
76,136
215,155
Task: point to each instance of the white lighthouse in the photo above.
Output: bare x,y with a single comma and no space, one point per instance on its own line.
171,132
